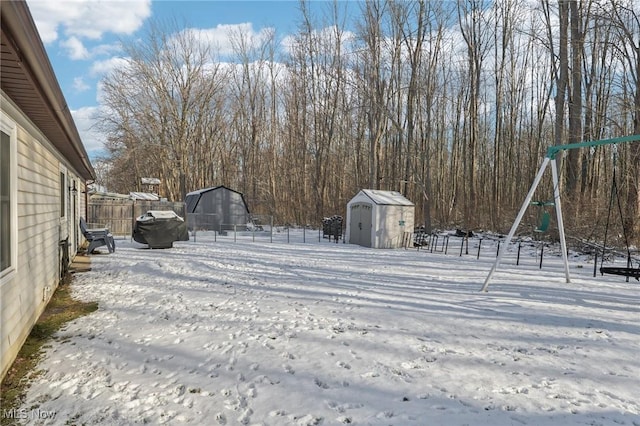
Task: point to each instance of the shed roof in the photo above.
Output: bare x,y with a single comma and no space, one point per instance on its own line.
202,191
147,196
193,198
387,198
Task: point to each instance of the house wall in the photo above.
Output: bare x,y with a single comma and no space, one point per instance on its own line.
41,225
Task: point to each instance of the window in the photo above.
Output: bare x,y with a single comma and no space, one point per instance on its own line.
63,194
8,200
5,201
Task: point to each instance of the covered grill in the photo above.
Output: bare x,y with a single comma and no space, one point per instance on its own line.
159,229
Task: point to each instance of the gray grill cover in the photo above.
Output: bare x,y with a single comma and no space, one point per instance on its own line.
159,229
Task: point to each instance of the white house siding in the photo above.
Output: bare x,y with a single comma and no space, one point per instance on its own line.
40,227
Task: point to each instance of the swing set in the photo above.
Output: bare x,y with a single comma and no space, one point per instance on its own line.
552,152
627,271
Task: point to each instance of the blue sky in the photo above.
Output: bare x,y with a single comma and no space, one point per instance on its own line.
82,37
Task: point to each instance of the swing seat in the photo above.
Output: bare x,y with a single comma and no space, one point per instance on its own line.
625,272
544,223
543,203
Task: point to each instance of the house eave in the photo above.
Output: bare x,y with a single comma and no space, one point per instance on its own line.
27,77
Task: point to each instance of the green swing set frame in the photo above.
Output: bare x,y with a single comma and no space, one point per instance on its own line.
552,152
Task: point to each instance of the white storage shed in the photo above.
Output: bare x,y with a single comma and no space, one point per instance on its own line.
379,219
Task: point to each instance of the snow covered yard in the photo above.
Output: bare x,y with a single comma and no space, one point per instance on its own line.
271,333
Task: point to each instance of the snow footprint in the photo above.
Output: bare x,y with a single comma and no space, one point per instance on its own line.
252,391
221,418
232,362
320,383
245,417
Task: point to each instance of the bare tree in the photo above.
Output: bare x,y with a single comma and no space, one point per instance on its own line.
576,12
626,18
158,103
472,26
373,82
250,109
448,102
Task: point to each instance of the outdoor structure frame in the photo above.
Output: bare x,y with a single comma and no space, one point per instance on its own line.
217,208
552,152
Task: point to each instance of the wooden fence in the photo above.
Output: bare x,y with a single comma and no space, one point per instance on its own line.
120,215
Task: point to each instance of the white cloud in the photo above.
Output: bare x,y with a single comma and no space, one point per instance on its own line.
102,67
79,85
75,48
46,21
221,37
87,18
92,139
329,34
105,49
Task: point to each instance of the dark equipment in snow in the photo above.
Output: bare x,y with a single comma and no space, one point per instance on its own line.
625,272
332,227
159,229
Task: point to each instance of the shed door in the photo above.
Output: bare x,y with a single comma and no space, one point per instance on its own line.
360,225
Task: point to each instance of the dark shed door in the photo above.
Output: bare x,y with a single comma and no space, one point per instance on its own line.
360,224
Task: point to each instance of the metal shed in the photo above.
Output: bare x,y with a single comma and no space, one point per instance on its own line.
218,208
379,219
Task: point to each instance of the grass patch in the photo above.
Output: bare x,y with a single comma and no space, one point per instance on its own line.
61,309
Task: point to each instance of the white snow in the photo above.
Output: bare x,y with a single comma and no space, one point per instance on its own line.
233,331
